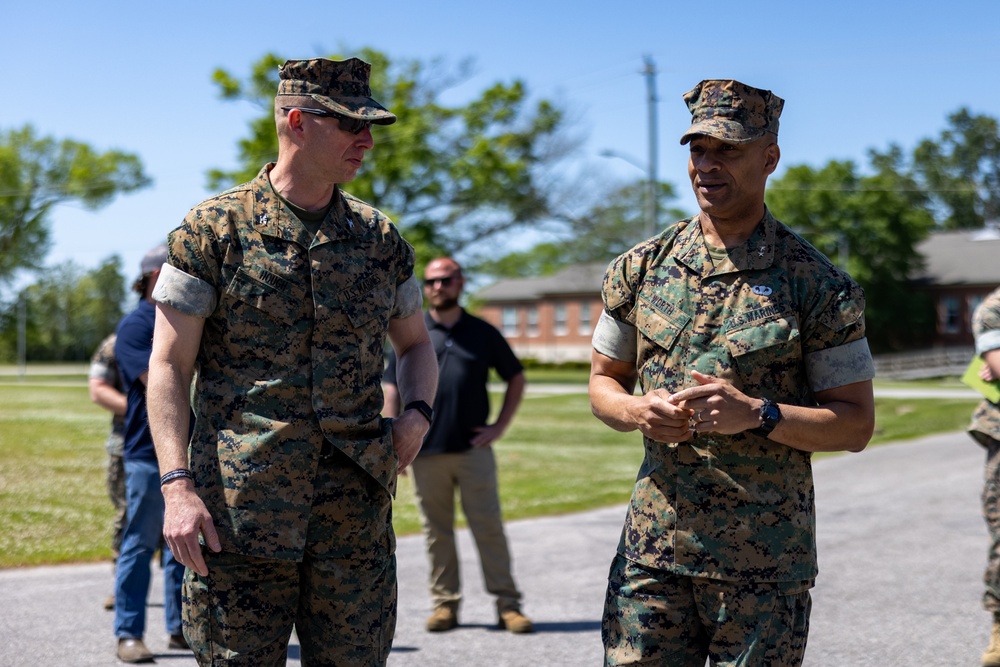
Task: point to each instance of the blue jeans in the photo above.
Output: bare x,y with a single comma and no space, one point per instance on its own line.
140,538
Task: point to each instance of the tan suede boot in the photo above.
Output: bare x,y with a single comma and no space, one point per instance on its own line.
992,656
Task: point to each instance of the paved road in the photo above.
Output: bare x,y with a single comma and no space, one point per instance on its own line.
901,553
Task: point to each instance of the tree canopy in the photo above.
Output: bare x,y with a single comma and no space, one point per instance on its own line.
69,311
451,175
36,174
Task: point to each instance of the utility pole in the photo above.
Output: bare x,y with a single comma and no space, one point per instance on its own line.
22,338
649,71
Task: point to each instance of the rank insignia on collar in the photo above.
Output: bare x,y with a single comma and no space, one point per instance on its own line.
350,223
262,220
761,250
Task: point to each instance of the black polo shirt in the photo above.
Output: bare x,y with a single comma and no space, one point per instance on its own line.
465,355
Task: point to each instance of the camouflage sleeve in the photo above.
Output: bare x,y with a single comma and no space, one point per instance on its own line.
409,299
101,364
839,366
616,339
190,282
986,324
833,337
184,292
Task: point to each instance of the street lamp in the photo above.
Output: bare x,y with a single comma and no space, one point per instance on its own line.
651,199
648,71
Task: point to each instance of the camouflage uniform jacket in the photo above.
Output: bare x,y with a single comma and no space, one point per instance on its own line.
778,321
986,328
291,353
104,367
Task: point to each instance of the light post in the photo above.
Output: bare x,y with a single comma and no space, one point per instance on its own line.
651,203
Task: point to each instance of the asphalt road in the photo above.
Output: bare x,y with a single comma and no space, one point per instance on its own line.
901,541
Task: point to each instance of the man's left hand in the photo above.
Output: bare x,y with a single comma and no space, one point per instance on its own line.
718,406
486,435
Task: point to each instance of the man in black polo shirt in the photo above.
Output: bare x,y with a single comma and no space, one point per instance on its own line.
457,451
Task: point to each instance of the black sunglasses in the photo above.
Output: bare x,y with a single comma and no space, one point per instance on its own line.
445,282
347,124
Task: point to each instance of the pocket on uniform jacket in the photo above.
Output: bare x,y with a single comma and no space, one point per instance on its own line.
658,320
770,346
362,309
267,292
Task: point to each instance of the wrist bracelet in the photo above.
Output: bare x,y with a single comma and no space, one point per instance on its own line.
176,474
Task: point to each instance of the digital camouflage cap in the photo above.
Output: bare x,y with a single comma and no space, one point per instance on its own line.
731,111
338,85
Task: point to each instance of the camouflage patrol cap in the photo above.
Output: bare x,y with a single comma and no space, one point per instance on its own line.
731,111
338,85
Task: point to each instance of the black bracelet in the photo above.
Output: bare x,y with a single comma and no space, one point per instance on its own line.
176,474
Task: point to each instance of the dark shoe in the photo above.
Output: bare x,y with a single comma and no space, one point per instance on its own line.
109,602
133,651
516,622
443,618
178,642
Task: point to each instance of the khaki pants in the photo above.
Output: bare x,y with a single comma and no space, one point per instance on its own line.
474,474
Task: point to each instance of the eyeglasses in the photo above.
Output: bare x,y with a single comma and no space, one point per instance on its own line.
347,124
445,282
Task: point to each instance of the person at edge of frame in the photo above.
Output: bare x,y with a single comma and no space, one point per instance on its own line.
985,429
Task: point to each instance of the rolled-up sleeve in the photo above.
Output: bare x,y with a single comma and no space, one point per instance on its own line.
186,293
839,366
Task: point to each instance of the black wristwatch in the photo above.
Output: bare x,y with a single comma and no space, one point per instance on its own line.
422,407
770,415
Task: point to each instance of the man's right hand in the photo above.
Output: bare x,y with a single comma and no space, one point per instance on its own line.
184,519
408,431
658,419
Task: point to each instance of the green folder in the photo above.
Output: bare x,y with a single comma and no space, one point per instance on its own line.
991,390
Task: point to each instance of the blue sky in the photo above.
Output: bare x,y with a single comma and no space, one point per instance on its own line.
137,76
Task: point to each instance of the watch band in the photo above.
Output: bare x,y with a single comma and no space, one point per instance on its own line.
422,407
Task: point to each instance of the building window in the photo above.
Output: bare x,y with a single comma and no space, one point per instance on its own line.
585,326
532,320
974,302
509,323
560,327
950,321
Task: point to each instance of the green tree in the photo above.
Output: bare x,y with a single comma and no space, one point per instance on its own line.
871,225
961,170
450,176
36,174
69,311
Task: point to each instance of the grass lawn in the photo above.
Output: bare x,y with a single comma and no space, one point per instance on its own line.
555,458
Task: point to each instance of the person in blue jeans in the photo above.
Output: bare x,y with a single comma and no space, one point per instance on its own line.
144,514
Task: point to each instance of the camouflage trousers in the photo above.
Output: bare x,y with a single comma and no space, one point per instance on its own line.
116,492
341,598
991,512
655,617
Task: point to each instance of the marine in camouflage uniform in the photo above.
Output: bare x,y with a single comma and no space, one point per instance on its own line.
985,429
749,348
104,370
286,310
106,390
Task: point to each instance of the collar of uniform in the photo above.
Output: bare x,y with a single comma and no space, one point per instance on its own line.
757,253
431,323
272,217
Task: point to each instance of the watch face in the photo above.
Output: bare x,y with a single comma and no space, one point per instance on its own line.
770,413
